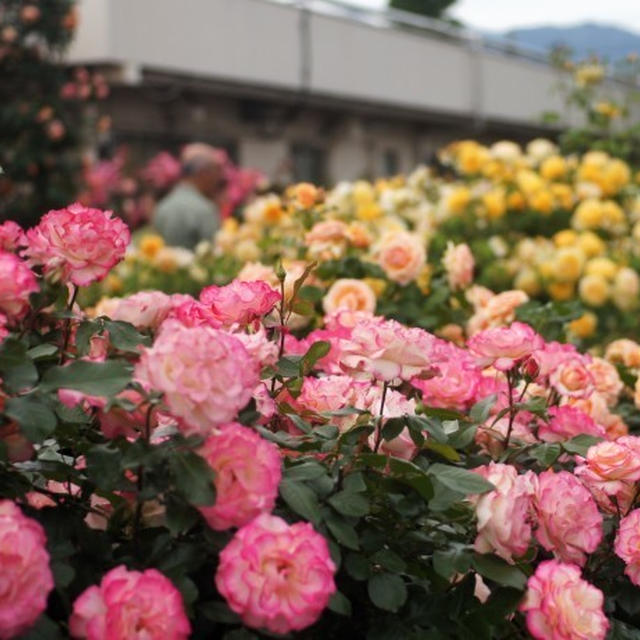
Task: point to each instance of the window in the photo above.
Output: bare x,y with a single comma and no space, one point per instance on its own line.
390,163
308,163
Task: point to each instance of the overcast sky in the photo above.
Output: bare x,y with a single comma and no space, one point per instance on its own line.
497,15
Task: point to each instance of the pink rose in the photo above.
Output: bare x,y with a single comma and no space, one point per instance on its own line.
25,579
552,355
78,244
130,604
627,545
12,236
560,605
454,387
240,301
120,422
396,405
276,576
503,514
144,310
256,341
385,350
189,312
17,282
4,332
206,375
459,264
247,474
504,347
568,520
566,422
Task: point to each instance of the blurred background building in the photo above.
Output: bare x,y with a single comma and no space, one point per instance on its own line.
308,90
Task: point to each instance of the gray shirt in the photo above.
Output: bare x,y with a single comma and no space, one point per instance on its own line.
184,217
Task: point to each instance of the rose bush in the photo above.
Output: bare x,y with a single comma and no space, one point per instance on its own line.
239,465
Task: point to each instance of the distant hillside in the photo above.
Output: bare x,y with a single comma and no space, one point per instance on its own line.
606,41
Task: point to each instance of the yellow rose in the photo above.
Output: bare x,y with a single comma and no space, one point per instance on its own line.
424,280
565,238
515,200
472,156
113,284
626,287
562,194
613,216
247,251
401,256
589,74
458,200
561,290
150,245
529,181
616,175
378,285
368,211
589,214
305,194
568,264
603,267
594,290
349,294
553,168
584,326
542,201
495,203
591,244
527,280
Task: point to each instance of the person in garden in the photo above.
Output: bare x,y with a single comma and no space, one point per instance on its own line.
189,213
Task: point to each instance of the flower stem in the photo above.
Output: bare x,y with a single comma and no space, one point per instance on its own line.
67,323
385,386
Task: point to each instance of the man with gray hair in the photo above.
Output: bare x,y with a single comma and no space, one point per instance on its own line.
189,213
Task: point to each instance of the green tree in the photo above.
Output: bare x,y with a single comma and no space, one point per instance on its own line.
41,102
429,8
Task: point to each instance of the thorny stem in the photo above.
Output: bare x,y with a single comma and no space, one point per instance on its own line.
281,311
67,324
512,413
146,434
385,386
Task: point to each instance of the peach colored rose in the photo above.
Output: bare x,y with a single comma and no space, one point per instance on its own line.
351,294
276,576
401,256
144,310
572,378
560,605
568,521
459,264
606,380
25,577
247,472
623,351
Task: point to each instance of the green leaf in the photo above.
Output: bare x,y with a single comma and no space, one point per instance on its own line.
461,480
44,629
35,418
580,444
621,631
444,450
499,571
342,531
357,566
387,591
546,454
350,504
301,499
354,483
389,560
125,336
393,428
480,410
16,368
180,516
340,604
42,351
193,478
218,612
309,470
85,331
93,378
289,366
432,427
443,497
103,466
443,414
